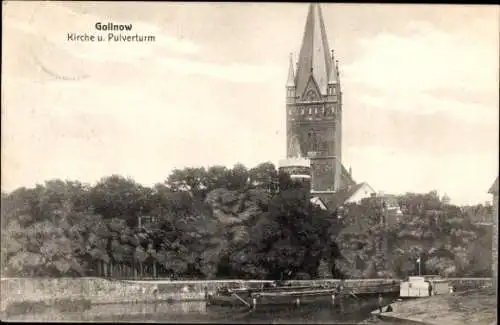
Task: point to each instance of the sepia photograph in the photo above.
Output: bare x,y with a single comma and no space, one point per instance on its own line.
250,163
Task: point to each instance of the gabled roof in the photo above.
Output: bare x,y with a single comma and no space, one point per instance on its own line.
344,194
494,188
334,200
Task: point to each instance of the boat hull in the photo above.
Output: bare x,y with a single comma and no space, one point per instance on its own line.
319,300
289,296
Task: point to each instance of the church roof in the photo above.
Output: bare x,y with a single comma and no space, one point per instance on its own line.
334,200
314,55
494,187
347,177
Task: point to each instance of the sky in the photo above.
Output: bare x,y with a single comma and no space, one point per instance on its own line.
420,85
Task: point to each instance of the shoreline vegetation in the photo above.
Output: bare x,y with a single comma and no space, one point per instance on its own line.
236,223
233,223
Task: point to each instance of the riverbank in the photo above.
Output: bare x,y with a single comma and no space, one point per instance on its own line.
476,306
19,294
40,292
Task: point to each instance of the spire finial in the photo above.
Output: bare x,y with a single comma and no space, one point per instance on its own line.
332,54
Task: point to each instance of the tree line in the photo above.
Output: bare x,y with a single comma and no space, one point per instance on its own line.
220,222
215,222
444,237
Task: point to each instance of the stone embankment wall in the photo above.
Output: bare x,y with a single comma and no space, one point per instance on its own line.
103,291
461,284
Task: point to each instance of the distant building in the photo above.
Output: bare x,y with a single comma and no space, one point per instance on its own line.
352,194
494,191
359,192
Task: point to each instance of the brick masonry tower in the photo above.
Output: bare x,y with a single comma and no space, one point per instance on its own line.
314,108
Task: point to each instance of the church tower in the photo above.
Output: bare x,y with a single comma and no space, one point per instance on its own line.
314,108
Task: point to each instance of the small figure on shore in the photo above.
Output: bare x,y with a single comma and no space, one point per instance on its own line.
430,289
388,309
380,302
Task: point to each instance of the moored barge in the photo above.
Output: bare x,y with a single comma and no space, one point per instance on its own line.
331,294
283,295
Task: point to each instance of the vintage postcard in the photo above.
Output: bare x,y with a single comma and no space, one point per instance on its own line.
249,162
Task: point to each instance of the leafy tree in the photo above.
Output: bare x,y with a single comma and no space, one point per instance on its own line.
116,196
263,175
237,177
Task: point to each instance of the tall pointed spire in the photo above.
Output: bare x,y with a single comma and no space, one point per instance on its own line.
314,55
291,74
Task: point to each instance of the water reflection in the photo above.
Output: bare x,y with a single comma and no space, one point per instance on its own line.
196,312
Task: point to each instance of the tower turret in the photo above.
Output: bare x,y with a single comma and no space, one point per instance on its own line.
290,83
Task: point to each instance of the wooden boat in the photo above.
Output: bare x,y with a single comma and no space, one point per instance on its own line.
287,295
328,294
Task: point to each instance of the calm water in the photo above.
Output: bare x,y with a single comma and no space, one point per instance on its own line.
194,312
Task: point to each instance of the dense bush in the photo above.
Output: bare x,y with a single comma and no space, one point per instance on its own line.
222,222
217,222
442,235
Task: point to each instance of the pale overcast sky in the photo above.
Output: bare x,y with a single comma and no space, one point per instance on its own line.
420,87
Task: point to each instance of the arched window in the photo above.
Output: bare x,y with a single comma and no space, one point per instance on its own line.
312,141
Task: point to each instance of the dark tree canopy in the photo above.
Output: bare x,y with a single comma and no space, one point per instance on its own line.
229,222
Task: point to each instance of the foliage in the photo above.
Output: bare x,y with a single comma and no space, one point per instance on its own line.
442,235
210,222
229,222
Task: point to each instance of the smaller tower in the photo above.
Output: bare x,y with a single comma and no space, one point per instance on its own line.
299,170
333,82
290,83
445,199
